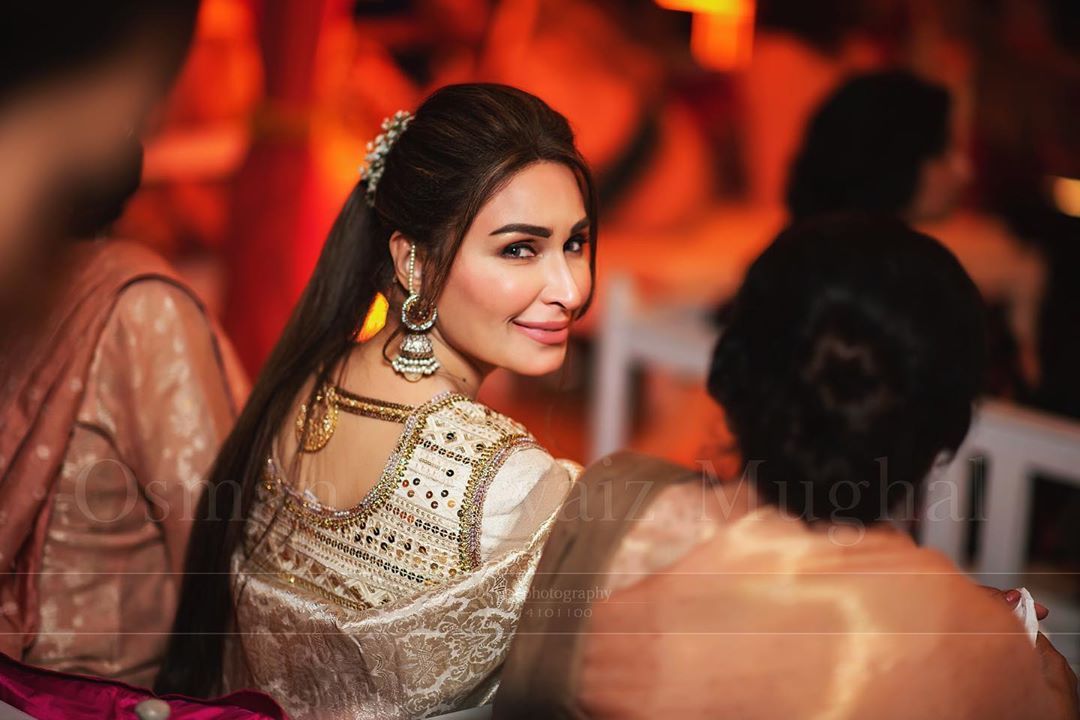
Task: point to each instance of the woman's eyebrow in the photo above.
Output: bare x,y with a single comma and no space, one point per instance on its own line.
523,228
536,230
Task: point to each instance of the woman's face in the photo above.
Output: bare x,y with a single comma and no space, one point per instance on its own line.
520,275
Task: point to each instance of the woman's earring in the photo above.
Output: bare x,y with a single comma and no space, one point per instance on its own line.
416,359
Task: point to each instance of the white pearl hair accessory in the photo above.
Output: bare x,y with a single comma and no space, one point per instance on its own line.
379,148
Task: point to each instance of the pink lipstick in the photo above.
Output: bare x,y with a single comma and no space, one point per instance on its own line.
556,332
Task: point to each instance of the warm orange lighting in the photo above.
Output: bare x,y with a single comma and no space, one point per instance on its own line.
723,31
1067,195
723,41
731,8
375,320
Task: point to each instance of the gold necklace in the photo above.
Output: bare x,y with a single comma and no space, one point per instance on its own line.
324,417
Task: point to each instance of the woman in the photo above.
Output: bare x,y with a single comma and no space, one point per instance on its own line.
791,592
112,412
371,529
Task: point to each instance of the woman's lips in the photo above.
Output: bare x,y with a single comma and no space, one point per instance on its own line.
546,333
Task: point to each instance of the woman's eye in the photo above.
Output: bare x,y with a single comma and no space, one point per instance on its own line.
519,250
576,244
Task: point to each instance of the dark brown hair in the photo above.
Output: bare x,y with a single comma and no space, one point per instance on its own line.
464,144
866,145
852,356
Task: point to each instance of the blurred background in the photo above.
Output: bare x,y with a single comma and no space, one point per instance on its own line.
691,113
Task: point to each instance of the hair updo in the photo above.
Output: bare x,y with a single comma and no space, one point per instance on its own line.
853,354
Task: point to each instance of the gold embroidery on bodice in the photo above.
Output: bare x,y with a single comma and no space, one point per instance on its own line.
418,527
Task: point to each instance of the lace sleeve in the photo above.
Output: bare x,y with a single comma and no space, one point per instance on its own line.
528,488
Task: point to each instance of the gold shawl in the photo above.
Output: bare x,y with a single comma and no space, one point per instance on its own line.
758,616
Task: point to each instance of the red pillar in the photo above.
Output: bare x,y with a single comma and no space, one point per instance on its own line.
264,244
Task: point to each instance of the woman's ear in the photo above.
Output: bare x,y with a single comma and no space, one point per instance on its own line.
400,249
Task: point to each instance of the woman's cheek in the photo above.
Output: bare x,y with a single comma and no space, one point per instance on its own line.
478,300
499,289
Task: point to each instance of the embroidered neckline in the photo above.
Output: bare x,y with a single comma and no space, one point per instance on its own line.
391,475
481,469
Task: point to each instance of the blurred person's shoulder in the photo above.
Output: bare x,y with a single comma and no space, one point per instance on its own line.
118,261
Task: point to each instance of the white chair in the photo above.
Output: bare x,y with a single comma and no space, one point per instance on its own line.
1015,443
675,338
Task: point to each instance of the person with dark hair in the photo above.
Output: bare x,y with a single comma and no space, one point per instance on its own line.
366,555
792,592
77,83
828,370
117,393
883,142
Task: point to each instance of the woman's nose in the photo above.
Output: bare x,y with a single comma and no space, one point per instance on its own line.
561,286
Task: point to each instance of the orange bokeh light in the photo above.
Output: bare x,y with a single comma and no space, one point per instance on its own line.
722,34
732,8
375,320
723,41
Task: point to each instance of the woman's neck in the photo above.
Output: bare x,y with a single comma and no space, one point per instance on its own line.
368,372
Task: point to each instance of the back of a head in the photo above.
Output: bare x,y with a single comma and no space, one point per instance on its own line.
864,148
42,42
122,52
853,355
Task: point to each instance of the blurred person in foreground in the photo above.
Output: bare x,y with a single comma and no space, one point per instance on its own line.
792,592
114,399
77,85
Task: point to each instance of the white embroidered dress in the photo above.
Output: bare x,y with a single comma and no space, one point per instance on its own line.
404,605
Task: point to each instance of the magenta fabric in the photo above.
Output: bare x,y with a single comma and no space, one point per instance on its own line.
48,695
